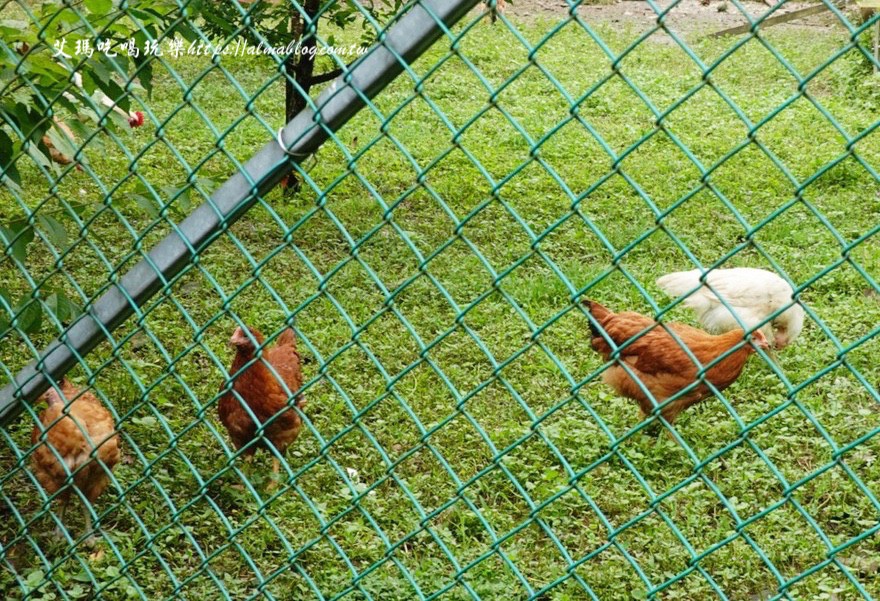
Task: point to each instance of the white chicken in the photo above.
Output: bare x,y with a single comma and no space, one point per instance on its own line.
63,136
754,294
135,118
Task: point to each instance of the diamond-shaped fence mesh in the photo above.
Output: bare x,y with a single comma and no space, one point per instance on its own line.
450,190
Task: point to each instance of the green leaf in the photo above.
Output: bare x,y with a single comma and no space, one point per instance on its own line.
116,64
30,315
101,71
120,121
18,235
31,122
80,208
64,309
146,204
114,92
180,195
61,141
186,31
39,156
68,104
145,73
54,230
35,578
7,74
88,82
207,184
71,308
69,17
169,190
44,64
99,7
79,129
81,577
14,187
183,201
5,301
111,89
52,305
22,96
7,166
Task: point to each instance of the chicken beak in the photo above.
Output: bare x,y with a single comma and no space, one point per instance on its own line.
771,353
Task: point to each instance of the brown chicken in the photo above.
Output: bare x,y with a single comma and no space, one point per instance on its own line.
265,396
56,155
65,134
84,436
660,363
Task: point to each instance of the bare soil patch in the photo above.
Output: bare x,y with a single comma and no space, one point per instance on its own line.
689,17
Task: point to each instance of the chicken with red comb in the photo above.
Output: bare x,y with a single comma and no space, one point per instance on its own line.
265,388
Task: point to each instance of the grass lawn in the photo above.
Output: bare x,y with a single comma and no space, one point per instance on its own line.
458,439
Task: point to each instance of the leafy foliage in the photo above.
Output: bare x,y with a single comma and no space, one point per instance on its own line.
44,43
294,28
270,22
41,45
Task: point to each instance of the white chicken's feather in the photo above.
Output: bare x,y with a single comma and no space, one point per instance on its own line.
753,294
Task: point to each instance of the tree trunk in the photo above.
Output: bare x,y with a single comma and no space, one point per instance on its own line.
300,67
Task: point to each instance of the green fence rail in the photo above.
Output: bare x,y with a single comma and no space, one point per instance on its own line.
452,194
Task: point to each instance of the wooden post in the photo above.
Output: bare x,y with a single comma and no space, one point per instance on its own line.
867,10
774,20
876,45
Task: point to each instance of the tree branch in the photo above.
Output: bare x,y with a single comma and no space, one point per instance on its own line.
324,77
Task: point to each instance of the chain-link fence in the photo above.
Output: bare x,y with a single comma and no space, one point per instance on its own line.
428,226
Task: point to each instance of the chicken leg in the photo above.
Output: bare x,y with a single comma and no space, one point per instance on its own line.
59,529
276,470
92,538
646,416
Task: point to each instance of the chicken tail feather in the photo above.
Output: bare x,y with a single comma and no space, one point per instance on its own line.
287,338
679,283
598,312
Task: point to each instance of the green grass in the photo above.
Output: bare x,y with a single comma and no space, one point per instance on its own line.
482,457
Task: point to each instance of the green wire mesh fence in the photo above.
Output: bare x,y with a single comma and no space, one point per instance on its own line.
430,251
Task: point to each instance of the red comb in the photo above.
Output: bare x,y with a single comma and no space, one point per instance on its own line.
136,119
